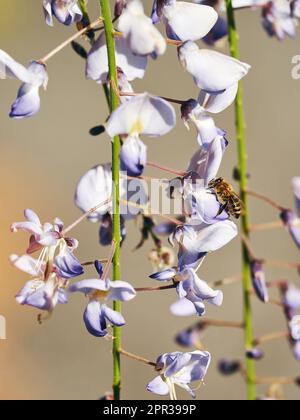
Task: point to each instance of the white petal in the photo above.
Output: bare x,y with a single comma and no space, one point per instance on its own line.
133,66
94,188
138,29
143,114
212,71
190,22
26,264
11,68
218,103
183,307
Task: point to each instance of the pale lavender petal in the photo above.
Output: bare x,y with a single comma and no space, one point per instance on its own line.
94,319
165,275
28,227
31,216
158,386
133,66
183,307
88,286
94,188
11,68
27,264
180,360
218,102
27,103
62,297
204,66
143,114
114,317
189,22
122,291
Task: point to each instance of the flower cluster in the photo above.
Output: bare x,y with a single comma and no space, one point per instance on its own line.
208,202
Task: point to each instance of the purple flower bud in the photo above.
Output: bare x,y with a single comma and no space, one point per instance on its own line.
165,275
119,7
186,338
99,268
259,281
191,336
292,224
105,232
255,354
229,367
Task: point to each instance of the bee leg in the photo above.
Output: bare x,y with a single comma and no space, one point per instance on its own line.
222,208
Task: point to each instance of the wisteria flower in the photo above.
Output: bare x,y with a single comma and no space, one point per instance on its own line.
45,290
132,65
97,313
193,292
143,114
142,36
33,77
201,202
179,369
184,21
43,294
50,274
192,111
45,235
204,66
67,266
196,242
95,187
66,11
278,19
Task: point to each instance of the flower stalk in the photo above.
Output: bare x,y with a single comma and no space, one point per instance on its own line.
243,180
116,148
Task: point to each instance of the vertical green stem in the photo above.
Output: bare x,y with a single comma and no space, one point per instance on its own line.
116,147
83,7
243,174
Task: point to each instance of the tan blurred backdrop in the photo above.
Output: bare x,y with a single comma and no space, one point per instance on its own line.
41,162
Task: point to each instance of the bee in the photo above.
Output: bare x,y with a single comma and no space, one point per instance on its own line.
229,200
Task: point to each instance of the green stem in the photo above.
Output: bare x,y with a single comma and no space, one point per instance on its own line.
83,7
242,166
116,147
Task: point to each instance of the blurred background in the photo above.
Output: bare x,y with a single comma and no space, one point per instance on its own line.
42,160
